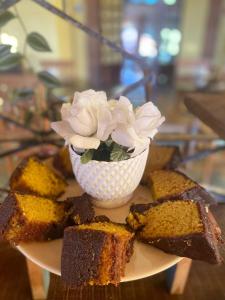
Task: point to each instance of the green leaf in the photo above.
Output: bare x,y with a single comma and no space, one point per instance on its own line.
10,61
109,142
44,114
28,117
37,42
4,49
24,92
5,17
87,156
102,153
48,79
118,153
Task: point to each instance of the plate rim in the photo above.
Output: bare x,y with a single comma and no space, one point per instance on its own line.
125,278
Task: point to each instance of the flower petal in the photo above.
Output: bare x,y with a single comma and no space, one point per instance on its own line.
79,96
106,123
99,98
83,123
124,136
147,119
144,126
65,110
123,112
63,129
89,97
112,104
147,109
82,142
140,146
127,137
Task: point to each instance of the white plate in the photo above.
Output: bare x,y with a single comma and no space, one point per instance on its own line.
145,261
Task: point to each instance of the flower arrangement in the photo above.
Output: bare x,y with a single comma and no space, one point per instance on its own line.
107,130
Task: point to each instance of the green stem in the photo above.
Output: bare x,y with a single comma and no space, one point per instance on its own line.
20,20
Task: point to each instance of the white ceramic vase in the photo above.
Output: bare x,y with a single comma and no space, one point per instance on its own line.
111,184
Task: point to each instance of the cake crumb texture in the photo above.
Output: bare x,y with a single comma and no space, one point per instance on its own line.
179,227
95,253
167,182
33,176
25,218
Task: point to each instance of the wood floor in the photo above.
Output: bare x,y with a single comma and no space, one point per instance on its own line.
205,283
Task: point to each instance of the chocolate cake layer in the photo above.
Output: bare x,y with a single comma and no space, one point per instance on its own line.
81,256
61,162
175,160
81,209
101,218
7,210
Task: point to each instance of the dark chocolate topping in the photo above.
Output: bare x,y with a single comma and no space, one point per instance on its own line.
81,209
59,164
195,246
81,255
175,159
101,218
7,210
197,193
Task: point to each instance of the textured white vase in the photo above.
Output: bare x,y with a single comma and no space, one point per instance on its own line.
111,184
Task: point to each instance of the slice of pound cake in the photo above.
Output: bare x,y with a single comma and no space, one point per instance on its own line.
171,184
180,227
34,177
95,253
61,162
25,218
161,157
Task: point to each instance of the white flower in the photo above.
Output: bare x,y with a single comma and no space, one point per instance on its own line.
135,128
147,120
127,137
86,121
91,119
106,123
123,111
112,104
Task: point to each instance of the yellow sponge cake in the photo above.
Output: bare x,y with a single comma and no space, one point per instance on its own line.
34,177
31,218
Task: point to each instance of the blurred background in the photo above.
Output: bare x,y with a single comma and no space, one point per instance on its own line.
44,59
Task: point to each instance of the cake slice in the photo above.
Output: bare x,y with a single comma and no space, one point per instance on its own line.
62,163
81,209
179,227
172,184
95,254
34,177
25,218
161,157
